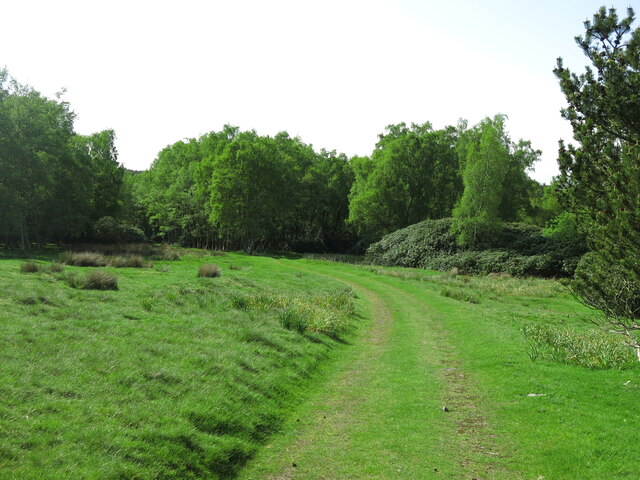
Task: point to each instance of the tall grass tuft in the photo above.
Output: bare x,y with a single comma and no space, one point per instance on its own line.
97,259
326,314
100,280
94,280
460,295
593,349
29,267
84,259
56,267
128,261
294,319
209,270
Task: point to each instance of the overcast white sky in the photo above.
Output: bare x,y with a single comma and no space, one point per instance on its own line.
334,73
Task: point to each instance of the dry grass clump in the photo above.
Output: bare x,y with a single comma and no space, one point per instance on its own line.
209,270
56,267
166,253
100,280
84,259
94,280
128,261
154,252
337,258
29,267
97,259
33,267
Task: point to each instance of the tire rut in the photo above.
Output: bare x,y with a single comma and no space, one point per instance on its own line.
461,398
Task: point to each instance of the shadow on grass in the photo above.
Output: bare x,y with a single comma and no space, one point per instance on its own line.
278,255
45,254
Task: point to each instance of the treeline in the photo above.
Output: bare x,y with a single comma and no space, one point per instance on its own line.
54,183
239,190
236,189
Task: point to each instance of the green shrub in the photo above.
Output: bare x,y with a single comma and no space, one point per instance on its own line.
520,250
593,349
29,267
564,228
415,245
107,230
209,270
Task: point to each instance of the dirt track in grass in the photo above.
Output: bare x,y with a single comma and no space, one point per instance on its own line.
380,414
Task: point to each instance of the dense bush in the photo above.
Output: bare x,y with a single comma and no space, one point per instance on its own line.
520,250
415,245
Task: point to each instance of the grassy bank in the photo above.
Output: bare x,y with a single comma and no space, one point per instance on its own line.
169,376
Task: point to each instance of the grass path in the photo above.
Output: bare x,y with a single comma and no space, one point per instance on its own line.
380,415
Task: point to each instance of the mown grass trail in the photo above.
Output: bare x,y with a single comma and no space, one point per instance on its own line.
380,416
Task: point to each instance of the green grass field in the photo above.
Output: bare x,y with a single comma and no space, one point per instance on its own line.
285,368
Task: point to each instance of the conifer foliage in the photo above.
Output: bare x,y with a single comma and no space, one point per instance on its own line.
600,177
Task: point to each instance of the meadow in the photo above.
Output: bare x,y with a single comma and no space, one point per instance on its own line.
287,367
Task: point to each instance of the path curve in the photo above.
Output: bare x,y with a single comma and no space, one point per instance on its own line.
381,415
